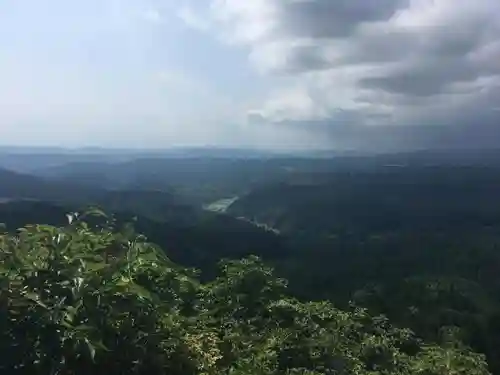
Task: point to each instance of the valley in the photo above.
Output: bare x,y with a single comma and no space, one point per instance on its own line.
222,206
417,244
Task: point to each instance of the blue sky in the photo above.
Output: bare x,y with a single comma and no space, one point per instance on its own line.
264,73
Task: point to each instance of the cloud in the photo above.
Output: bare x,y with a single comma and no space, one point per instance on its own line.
105,72
417,71
191,19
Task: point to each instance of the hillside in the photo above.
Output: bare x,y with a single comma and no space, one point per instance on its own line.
203,180
199,179
152,203
104,301
390,199
25,186
416,243
407,242
196,240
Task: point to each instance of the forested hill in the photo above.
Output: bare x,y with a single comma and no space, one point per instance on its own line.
153,203
385,200
23,186
82,299
418,244
422,282
196,239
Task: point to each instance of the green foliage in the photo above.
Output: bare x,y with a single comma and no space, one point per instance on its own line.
80,297
88,298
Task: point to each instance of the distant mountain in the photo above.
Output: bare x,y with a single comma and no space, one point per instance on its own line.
200,179
24,186
32,159
33,162
163,205
37,159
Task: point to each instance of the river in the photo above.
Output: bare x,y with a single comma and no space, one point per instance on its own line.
221,206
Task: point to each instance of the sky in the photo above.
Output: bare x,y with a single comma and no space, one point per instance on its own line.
279,74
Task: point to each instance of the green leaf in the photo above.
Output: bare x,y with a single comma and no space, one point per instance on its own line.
91,349
35,298
94,267
141,292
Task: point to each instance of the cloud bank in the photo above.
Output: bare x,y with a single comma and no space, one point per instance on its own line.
371,73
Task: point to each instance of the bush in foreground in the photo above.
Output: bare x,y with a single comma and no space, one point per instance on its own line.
90,299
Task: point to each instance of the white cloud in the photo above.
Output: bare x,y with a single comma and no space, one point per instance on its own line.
328,70
110,72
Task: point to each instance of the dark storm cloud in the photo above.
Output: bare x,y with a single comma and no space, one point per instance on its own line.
420,61
378,73
434,59
328,18
424,78
474,133
304,59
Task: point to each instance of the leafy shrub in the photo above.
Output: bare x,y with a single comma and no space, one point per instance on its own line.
88,298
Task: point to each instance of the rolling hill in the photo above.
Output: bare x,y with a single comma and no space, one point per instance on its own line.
386,200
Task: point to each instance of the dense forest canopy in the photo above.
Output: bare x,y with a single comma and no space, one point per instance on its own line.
88,298
403,249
